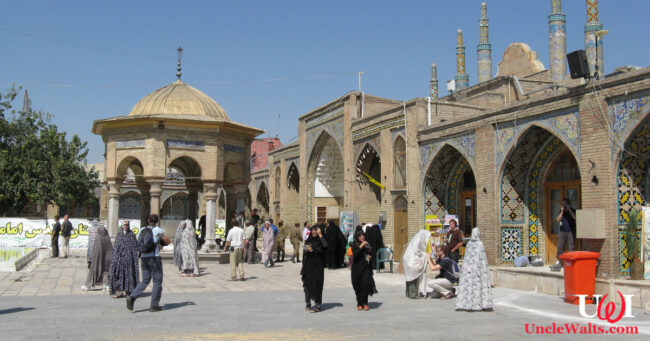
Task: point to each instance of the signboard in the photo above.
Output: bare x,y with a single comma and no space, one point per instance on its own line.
23,232
220,230
349,221
432,223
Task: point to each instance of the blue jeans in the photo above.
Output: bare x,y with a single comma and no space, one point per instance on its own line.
151,267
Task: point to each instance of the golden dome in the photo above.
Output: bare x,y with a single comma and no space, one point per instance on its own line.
179,98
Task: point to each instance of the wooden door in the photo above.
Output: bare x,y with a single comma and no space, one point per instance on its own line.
400,228
468,214
555,193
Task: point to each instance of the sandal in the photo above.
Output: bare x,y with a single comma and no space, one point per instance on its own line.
183,275
308,307
120,295
446,297
315,309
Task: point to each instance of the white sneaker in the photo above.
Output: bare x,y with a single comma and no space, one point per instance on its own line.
84,288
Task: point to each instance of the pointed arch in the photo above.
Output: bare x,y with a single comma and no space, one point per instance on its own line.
368,165
277,180
263,199
293,178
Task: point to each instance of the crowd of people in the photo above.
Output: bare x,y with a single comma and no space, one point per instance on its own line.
114,267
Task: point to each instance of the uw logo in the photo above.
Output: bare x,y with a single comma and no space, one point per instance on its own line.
609,309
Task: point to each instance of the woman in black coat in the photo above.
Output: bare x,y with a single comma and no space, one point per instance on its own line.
362,280
332,236
313,269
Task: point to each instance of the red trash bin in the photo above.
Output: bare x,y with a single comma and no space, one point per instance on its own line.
579,275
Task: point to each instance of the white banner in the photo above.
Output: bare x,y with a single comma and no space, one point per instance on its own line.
23,232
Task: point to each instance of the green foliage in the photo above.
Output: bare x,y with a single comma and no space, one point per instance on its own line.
631,240
38,163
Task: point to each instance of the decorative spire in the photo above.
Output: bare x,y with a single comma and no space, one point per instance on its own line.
557,42
434,81
592,27
462,79
178,63
557,6
484,48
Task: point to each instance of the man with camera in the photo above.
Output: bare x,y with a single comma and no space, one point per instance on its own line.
566,235
234,245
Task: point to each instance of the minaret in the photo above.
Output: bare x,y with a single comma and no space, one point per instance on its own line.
434,81
557,42
591,27
484,49
462,79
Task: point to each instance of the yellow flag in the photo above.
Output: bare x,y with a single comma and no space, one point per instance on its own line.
374,181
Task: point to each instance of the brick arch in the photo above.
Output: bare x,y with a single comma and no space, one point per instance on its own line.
523,130
368,160
188,165
333,184
293,177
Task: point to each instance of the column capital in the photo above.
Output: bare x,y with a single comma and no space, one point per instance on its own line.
155,187
210,191
114,188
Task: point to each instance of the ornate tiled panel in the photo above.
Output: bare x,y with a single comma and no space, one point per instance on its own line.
632,174
625,112
377,127
510,244
623,263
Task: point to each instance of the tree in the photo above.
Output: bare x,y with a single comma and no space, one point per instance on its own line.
38,163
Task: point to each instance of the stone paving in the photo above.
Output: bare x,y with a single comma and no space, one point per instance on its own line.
64,276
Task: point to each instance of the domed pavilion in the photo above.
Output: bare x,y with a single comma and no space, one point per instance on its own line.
175,154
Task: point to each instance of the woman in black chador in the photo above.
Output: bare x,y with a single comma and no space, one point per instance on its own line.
332,235
362,280
313,268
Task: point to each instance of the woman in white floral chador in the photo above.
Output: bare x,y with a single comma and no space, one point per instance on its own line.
474,292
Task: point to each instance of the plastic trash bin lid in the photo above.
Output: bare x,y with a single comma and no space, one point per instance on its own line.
579,255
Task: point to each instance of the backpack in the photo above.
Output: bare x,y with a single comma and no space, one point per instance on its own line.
456,270
145,241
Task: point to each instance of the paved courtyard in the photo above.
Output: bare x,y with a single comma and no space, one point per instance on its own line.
45,303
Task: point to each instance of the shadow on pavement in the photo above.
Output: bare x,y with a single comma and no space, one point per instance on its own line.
14,310
328,306
374,305
169,306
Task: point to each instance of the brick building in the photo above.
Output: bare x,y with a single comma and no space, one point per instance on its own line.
500,154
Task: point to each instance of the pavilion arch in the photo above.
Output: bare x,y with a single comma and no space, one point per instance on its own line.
189,167
532,185
449,187
368,161
132,163
400,178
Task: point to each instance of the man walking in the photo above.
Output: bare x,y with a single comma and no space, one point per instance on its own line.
234,245
295,237
249,243
151,266
56,229
279,241
66,232
454,240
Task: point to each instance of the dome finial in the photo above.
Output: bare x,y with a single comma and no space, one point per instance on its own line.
178,64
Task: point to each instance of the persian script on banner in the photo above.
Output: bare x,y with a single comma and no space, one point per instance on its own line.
23,232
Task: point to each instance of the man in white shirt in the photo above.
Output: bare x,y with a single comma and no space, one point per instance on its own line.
305,231
234,245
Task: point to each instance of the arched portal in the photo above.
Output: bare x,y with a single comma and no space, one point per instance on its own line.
134,200
450,188
293,185
325,180
369,168
536,175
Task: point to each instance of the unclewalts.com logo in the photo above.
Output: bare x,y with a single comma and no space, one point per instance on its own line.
605,318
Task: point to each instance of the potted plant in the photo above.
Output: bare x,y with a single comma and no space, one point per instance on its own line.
632,245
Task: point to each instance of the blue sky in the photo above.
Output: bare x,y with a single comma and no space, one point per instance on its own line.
88,60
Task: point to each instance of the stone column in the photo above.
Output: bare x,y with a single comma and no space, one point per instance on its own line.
591,27
113,206
210,195
557,42
155,191
462,79
484,48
